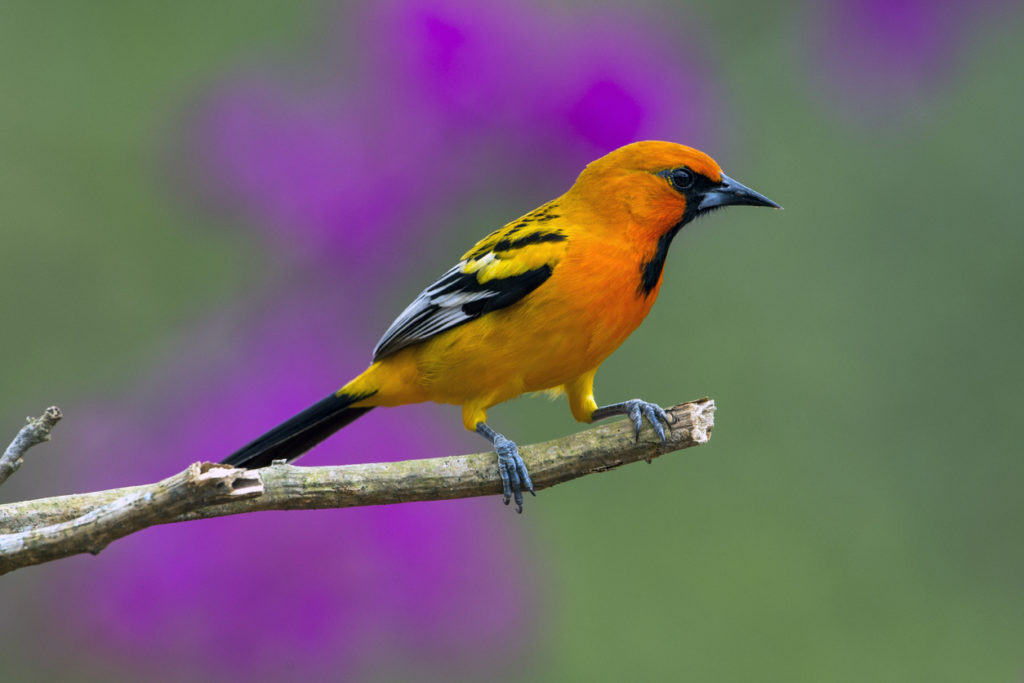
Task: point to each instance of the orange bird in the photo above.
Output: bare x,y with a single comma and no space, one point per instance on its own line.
536,305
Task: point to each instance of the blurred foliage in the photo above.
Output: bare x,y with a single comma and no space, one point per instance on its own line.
858,513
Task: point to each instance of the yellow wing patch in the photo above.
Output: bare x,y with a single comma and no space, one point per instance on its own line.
523,245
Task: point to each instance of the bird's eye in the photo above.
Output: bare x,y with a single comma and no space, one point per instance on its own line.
681,178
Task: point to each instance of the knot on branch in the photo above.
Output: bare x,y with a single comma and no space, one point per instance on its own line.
217,483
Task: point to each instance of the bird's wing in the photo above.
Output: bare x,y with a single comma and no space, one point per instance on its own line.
498,271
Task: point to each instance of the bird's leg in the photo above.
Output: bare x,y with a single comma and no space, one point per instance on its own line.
514,477
637,410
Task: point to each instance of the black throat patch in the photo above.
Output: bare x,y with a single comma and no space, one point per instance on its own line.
650,269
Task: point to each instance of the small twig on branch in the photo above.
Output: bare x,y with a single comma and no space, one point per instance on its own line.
42,530
35,432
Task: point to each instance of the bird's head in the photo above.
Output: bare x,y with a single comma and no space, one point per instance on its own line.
661,186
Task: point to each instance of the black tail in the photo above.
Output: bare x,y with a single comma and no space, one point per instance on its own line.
292,438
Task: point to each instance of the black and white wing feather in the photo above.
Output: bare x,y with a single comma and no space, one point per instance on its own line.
500,270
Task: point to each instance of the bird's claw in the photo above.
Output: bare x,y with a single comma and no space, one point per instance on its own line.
637,411
653,413
514,475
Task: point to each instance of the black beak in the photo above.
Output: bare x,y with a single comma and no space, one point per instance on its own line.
731,193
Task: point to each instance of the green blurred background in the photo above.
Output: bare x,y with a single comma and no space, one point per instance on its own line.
857,515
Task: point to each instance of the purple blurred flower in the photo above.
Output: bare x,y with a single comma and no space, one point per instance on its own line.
453,98
323,170
271,595
878,55
547,84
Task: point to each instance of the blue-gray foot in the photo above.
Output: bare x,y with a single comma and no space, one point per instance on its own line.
514,476
637,411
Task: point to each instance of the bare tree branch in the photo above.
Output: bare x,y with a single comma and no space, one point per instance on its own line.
35,432
46,529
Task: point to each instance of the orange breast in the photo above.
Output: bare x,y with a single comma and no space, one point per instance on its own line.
565,328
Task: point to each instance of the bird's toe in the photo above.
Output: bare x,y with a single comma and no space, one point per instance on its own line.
514,475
